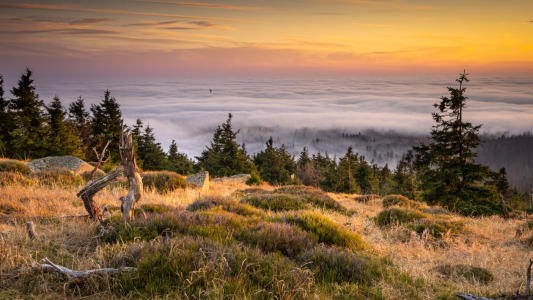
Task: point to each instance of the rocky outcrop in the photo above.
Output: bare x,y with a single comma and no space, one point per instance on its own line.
235,178
76,165
199,179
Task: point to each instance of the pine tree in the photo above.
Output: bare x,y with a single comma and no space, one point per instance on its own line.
106,124
29,123
225,157
151,152
138,140
404,176
274,164
502,185
448,172
180,162
62,136
6,121
304,157
82,123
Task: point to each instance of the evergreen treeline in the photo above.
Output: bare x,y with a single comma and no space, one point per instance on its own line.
443,171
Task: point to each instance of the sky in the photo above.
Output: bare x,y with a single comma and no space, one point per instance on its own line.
136,38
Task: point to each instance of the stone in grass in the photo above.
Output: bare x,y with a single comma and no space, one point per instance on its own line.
74,164
470,273
199,179
242,178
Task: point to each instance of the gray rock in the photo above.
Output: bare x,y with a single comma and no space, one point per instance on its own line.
235,178
200,179
76,165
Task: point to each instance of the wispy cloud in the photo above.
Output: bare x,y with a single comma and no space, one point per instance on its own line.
373,25
58,20
388,5
205,5
118,12
64,31
151,24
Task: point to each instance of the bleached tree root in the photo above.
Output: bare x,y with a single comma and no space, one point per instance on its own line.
71,276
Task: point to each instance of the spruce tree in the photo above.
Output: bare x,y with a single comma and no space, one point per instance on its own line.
272,164
138,140
151,152
106,124
179,162
6,121
29,123
225,157
62,136
82,123
448,172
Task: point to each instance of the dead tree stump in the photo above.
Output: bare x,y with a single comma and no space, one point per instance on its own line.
93,187
504,207
31,230
131,171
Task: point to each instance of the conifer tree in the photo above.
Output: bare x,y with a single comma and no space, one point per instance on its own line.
448,172
6,121
225,157
404,176
180,162
304,158
29,123
273,163
151,152
82,123
502,185
106,124
62,136
138,140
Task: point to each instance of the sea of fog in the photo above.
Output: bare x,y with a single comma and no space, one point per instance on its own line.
299,111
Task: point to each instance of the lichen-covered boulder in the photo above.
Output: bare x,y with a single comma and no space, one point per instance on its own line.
74,164
199,179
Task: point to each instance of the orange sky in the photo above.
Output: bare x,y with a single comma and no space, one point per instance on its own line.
315,37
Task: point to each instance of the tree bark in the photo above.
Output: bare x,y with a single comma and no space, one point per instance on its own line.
131,171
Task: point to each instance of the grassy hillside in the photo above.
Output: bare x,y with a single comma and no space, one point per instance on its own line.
234,242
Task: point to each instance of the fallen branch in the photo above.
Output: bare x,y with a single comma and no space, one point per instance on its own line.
70,275
93,187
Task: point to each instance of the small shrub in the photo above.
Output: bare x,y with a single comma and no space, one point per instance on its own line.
399,200
272,237
327,231
437,211
156,208
58,176
367,198
14,167
207,202
276,202
399,215
340,266
470,273
164,181
87,174
437,228
14,178
254,179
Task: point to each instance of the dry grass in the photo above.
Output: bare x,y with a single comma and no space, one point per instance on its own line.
489,243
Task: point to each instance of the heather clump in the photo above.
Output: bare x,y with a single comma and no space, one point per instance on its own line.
57,176
163,181
14,166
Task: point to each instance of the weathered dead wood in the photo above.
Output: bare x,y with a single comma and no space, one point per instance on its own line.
528,282
504,207
131,171
93,187
31,231
100,159
70,275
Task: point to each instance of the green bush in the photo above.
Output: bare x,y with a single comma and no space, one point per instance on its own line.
272,237
399,200
190,266
163,181
58,176
399,215
341,266
254,179
327,231
87,174
14,167
276,202
208,202
470,273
